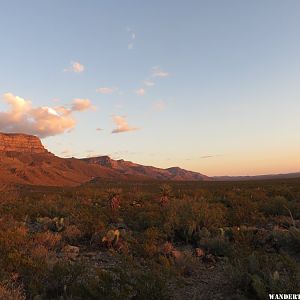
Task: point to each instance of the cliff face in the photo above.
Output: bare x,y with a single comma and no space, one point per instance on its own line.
21,143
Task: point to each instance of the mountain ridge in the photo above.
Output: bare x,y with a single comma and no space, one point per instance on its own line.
24,160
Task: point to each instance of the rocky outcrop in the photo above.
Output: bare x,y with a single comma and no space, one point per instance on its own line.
13,142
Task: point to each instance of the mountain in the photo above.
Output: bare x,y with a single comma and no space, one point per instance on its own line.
257,177
24,160
133,169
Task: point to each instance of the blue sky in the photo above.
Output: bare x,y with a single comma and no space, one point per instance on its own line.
225,93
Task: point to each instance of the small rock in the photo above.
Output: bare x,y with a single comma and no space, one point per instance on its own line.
209,258
176,254
199,252
71,252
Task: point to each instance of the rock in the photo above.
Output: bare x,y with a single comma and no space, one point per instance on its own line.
21,143
209,258
70,252
199,252
176,254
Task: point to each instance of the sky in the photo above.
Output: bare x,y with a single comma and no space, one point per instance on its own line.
210,86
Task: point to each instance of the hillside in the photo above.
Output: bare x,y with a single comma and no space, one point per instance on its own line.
133,169
24,160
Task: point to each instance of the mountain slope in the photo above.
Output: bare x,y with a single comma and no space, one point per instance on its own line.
133,169
24,160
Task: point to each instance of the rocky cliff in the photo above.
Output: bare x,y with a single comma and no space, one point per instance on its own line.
24,143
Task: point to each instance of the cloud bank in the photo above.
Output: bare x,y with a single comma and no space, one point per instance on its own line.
42,121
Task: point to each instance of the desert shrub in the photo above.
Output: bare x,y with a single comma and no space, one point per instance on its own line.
72,234
151,239
186,217
243,211
63,279
258,274
218,245
275,206
289,239
9,291
48,239
127,281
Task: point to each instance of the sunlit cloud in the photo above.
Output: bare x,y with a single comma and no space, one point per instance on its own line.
158,72
105,90
140,92
122,125
82,104
42,121
210,156
75,67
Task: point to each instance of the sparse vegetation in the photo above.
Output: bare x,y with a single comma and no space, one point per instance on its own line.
144,240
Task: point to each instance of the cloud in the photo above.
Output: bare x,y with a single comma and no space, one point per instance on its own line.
140,92
158,72
210,156
122,125
149,83
105,90
159,105
131,38
42,121
81,104
75,67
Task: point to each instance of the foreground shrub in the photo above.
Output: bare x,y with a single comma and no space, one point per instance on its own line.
258,275
11,292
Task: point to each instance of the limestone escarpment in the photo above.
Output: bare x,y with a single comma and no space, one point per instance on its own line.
15,142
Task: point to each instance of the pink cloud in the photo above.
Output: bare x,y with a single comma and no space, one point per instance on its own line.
122,125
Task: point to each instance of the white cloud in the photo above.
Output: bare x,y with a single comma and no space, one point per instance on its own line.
76,67
131,38
149,83
42,121
158,72
122,125
106,90
140,92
